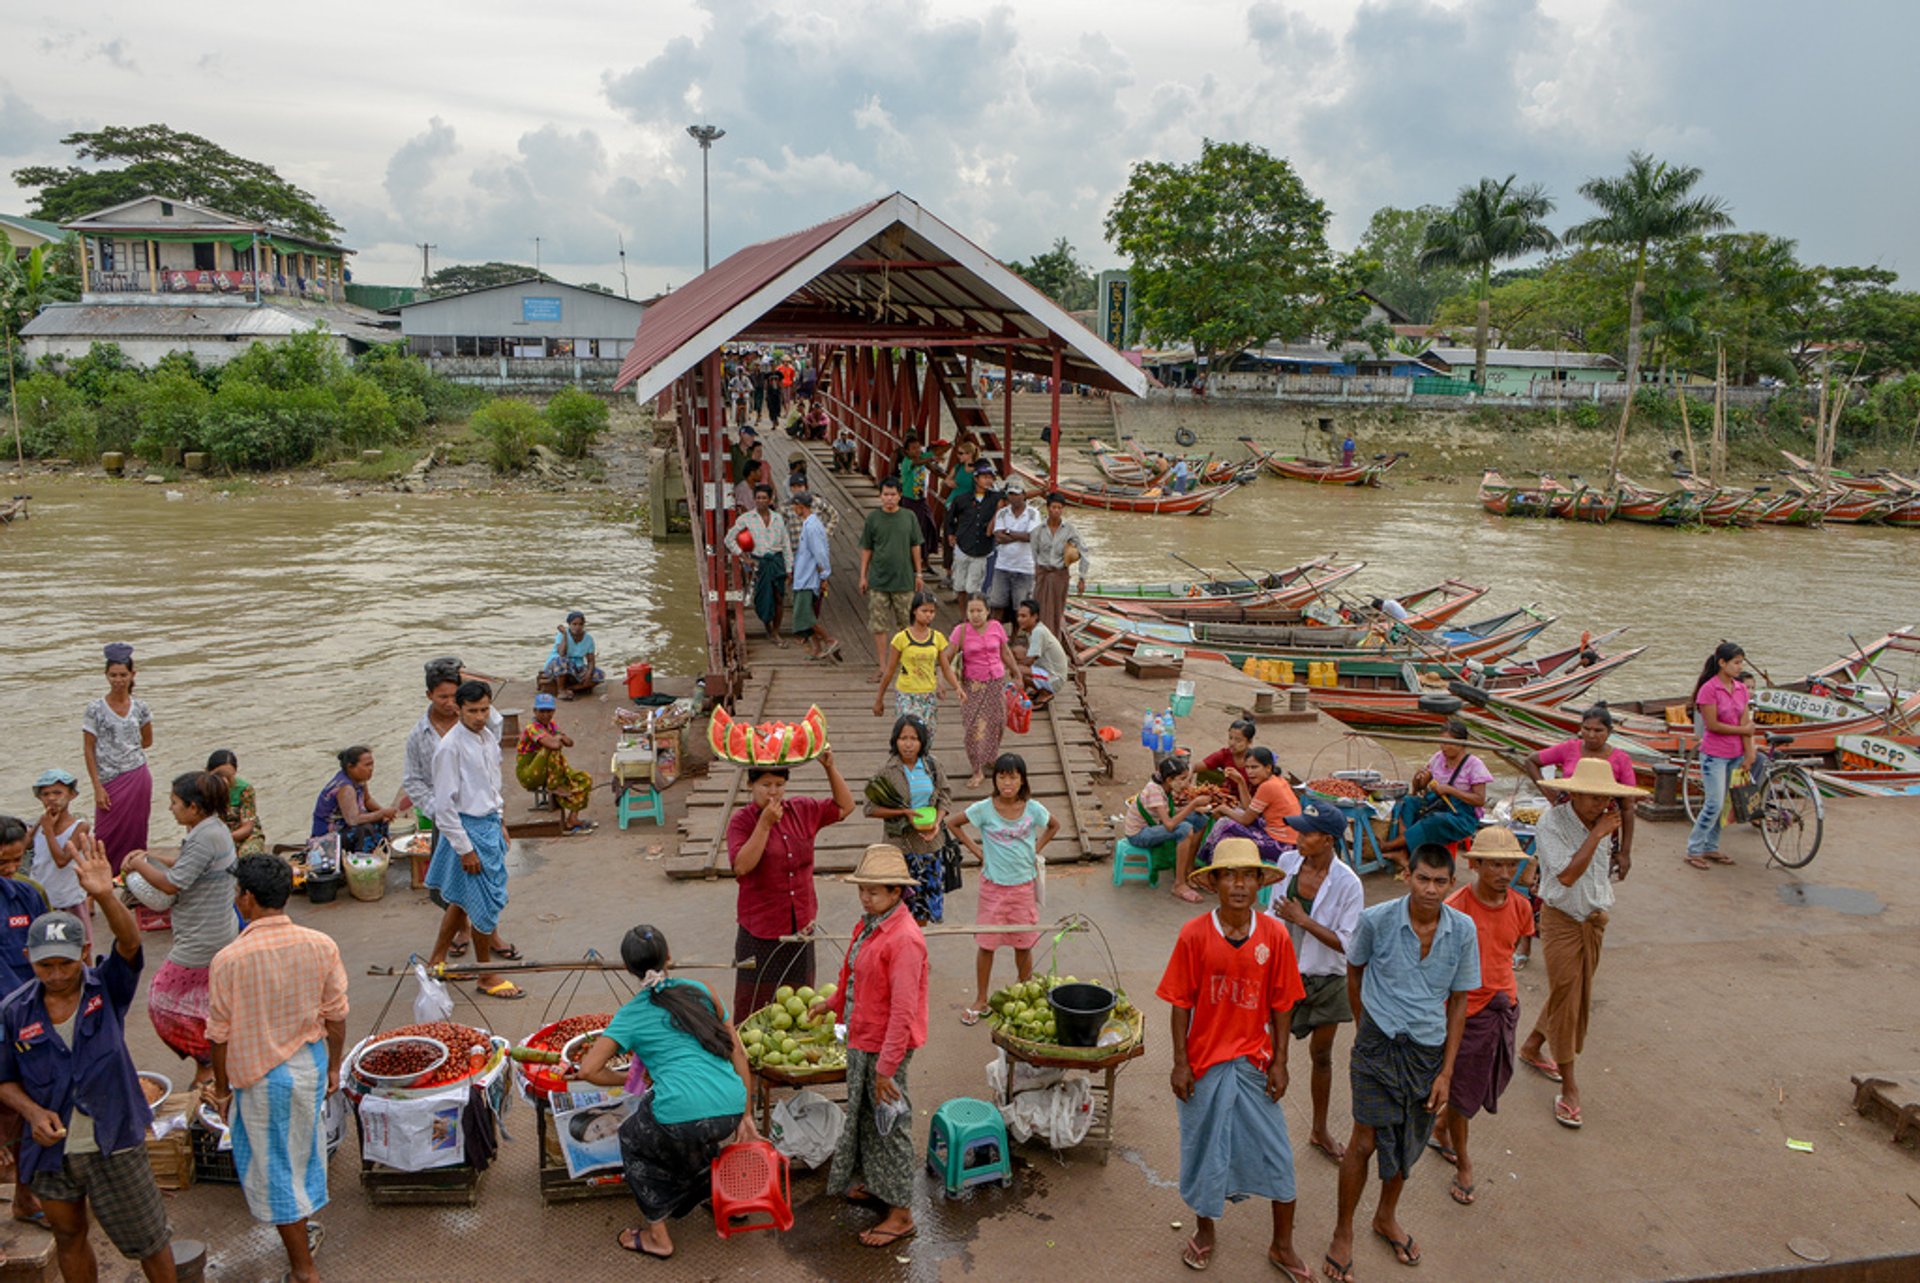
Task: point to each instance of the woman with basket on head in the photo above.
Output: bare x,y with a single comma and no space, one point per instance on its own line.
882,998
701,1085
912,796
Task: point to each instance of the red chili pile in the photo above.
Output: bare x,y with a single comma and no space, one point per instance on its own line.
1332,787
459,1040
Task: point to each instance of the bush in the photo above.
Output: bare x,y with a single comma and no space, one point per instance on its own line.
575,418
173,411
43,400
409,415
401,375
100,373
509,427
77,434
308,359
366,417
250,425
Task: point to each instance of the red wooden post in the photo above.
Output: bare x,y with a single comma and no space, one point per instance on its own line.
1053,421
1006,416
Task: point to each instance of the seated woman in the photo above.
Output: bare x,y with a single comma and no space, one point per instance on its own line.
570,664
1444,806
1267,801
1232,760
345,806
698,1104
542,765
1152,819
243,811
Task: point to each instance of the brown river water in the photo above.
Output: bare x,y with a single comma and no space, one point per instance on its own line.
288,623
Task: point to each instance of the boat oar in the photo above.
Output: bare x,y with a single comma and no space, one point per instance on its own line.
1893,704
1206,575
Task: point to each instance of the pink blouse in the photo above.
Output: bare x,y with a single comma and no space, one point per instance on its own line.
980,650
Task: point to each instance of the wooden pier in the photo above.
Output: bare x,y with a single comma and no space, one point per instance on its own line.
1061,748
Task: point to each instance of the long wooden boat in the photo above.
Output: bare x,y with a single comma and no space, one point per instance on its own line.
1846,507
1566,681
1789,509
1150,500
1277,591
12,508
1727,505
1676,507
1879,481
1133,466
1323,472
1505,498
1236,644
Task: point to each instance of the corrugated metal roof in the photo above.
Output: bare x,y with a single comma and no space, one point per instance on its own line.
1531,358
215,222
119,320
544,282
38,226
888,270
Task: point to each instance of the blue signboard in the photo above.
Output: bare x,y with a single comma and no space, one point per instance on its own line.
539,309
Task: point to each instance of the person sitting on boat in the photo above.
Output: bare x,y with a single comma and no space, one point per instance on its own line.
570,664
1151,819
1232,760
1596,728
1391,609
345,806
1448,795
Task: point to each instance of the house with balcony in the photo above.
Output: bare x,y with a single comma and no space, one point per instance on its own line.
164,275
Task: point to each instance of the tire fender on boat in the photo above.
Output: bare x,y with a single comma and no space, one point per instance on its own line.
1184,436
1435,702
1469,692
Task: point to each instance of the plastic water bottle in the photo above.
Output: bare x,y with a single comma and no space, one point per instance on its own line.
1149,733
1166,731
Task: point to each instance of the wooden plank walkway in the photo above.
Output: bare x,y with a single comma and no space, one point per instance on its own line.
1061,749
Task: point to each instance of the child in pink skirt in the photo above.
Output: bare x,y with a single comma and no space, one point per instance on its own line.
1014,829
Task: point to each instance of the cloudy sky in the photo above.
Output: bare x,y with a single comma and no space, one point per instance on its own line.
491,124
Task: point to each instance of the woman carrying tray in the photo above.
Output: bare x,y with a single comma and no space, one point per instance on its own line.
698,1105
883,1000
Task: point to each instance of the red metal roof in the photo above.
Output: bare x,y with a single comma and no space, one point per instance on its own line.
888,272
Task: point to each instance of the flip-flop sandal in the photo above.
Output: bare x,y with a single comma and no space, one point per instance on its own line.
636,1247
1195,1257
1337,1271
506,991
38,1219
1461,1194
1445,1151
506,952
1299,1276
1545,1068
1566,1115
1520,961
971,1016
889,1237
1341,1157
1407,1252
316,1235
458,949
1718,858
1698,862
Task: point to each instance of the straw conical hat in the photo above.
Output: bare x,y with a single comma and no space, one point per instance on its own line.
882,865
1592,775
1496,842
1235,853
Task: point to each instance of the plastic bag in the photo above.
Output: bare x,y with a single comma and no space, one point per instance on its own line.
806,1127
1053,1104
433,1003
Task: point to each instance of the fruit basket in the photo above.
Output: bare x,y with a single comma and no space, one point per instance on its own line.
785,1045
1023,1022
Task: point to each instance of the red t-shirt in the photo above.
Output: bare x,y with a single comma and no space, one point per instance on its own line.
1221,759
1229,990
777,898
1500,931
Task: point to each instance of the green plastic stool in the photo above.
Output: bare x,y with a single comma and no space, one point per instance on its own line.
967,1145
641,802
1135,864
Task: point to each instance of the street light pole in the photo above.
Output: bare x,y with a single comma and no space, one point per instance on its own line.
706,136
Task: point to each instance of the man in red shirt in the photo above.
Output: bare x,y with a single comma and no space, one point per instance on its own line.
1232,980
1484,1065
770,845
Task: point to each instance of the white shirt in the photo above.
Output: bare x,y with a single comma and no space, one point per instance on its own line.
1557,838
466,780
769,533
1016,558
1336,907
416,773
1394,610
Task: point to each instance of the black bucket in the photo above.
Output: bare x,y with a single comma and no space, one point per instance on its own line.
1078,1012
323,890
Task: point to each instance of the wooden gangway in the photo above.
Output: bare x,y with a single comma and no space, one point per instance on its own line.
1062,750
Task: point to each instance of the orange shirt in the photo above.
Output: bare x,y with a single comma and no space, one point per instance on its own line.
1500,930
1277,801
1231,990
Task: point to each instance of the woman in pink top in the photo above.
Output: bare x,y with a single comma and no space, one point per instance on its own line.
985,661
1596,727
1726,737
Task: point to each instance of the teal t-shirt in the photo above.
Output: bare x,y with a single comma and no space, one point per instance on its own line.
1008,844
689,1082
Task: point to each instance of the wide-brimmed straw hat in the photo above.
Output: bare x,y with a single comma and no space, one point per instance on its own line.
1591,775
1496,842
882,865
1235,853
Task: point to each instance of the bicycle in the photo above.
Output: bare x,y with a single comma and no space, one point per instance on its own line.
1791,815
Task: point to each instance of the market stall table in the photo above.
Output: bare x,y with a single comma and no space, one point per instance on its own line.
1103,1072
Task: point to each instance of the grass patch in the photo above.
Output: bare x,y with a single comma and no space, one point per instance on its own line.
391,463
234,485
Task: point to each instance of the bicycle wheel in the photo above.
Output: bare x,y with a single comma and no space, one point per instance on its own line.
1792,816
1691,795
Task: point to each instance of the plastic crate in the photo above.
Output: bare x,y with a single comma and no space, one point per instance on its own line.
211,1164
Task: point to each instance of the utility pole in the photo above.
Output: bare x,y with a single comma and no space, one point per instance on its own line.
706,136
536,258
426,264
624,291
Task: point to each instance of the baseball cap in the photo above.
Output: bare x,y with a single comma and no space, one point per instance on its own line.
54,936
543,701
1016,486
1319,817
985,468
54,775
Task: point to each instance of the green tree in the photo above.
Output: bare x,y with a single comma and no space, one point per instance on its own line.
46,275
1761,286
461,277
1395,239
1060,275
1651,204
1231,251
127,161
1490,222
1857,308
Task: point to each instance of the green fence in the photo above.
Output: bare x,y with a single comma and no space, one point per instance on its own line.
1436,386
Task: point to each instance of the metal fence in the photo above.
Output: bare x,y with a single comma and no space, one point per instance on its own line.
1385,389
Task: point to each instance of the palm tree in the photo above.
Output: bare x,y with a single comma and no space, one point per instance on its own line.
1489,223
1651,204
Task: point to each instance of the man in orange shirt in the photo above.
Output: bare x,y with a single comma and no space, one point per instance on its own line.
1232,980
274,994
1484,1066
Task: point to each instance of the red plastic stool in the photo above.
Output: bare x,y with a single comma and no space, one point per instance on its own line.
751,1181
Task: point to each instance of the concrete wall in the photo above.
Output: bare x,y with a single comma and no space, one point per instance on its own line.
506,372
498,313
147,352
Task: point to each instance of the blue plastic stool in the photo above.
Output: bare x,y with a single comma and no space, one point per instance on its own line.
641,802
967,1145
1134,864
